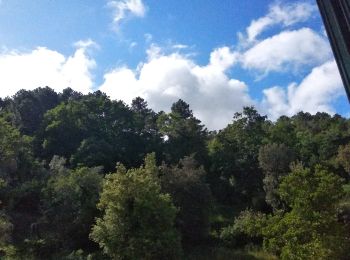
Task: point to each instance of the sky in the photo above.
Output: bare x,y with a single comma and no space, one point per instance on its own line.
217,55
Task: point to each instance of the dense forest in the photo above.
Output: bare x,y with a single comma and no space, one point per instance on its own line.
87,177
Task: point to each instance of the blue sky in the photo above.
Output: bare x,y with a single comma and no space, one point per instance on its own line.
216,55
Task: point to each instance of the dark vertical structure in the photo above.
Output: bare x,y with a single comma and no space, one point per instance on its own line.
336,18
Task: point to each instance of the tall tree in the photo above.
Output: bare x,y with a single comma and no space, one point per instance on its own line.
69,94
69,208
138,219
29,107
23,179
90,131
191,194
274,159
183,134
147,136
235,175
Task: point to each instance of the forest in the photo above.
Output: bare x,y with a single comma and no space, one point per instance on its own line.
87,177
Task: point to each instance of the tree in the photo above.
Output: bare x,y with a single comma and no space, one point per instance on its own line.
247,228
69,94
21,178
183,134
137,218
29,107
319,137
147,136
70,197
190,193
311,229
283,131
90,131
5,234
344,157
235,175
274,159
5,226
14,153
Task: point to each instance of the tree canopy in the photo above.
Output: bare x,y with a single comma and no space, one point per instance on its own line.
87,177
138,219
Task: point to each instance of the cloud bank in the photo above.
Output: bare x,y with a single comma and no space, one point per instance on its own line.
315,93
164,78
43,67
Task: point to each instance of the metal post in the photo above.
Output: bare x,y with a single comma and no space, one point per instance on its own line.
336,18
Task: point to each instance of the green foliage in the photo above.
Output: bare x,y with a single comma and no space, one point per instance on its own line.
29,106
184,134
283,131
274,159
311,229
224,253
5,231
85,127
21,181
247,228
186,185
319,136
95,131
47,209
13,150
344,157
147,137
70,197
235,174
138,219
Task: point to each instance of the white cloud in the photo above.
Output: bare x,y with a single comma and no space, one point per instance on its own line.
43,67
125,8
223,58
180,46
153,51
292,51
315,93
289,50
84,44
286,14
162,79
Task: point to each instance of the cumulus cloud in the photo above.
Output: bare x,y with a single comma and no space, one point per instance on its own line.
315,93
292,51
223,58
214,95
168,74
162,79
126,8
44,67
288,50
284,14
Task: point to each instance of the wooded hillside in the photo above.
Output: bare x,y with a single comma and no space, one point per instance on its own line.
87,177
